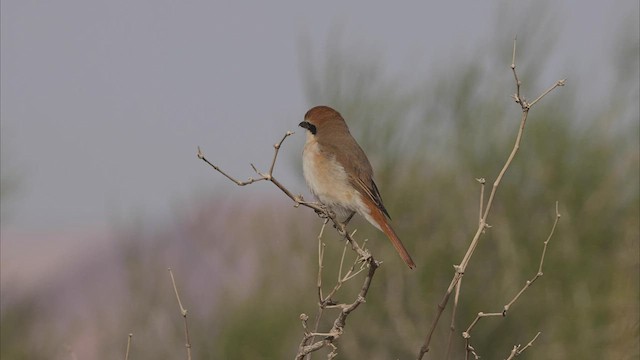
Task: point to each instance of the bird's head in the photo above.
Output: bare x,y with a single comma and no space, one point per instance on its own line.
323,120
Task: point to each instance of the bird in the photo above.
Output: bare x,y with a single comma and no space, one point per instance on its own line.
340,176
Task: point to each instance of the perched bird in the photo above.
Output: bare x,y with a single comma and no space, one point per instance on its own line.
340,176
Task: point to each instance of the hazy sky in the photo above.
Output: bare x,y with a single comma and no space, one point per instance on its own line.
104,102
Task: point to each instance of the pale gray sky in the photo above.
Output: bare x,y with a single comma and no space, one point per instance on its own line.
104,102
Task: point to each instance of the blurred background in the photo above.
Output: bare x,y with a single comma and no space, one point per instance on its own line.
104,104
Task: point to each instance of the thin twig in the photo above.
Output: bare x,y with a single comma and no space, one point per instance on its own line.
459,283
539,273
183,313
321,247
557,84
297,199
482,181
517,350
515,74
339,323
452,326
264,176
470,351
364,258
126,355
467,333
482,223
308,343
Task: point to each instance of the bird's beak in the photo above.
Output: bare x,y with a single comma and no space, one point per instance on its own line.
304,124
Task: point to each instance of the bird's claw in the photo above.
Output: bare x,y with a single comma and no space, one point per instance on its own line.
321,213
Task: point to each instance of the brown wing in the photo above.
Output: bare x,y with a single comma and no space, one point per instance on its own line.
357,165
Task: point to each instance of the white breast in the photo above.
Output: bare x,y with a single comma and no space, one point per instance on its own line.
329,182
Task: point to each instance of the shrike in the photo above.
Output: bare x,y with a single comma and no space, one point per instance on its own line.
340,176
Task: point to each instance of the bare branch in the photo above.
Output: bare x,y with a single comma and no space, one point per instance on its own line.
297,199
363,259
452,326
467,334
238,182
482,181
517,97
557,84
183,313
339,323
482,223
321,247
515,74
539,273
517,350
308,343
126,355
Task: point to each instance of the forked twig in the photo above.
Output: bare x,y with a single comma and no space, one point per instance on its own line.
518,349
467,333
308,343
339,323
517,97
297,199
482,223
364,259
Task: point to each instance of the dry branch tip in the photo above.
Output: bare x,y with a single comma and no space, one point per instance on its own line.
483,215
183,312
126,355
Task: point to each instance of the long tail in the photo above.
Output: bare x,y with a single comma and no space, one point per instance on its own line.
381,222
